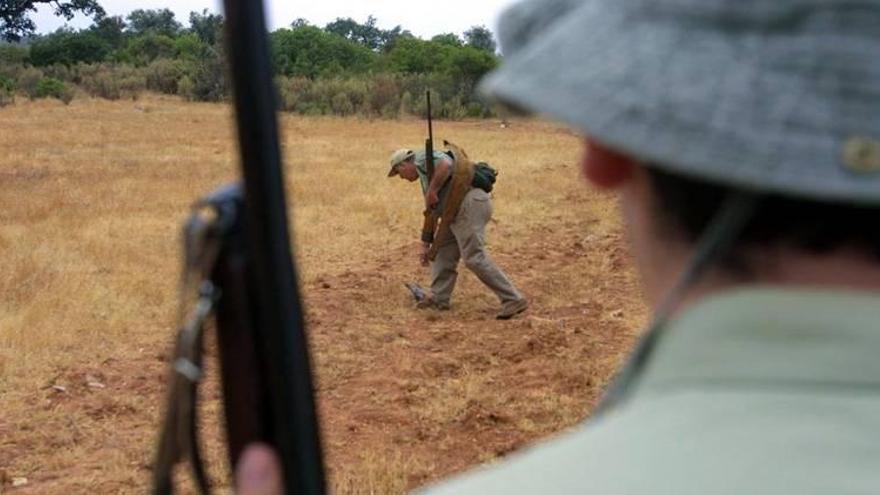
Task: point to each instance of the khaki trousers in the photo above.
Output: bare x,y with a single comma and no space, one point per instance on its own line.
468,242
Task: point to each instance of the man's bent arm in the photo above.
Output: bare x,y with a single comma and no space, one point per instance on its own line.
442,170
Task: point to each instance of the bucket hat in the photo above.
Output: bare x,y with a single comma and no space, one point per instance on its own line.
776,96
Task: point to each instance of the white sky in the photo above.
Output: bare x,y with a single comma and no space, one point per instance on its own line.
423,18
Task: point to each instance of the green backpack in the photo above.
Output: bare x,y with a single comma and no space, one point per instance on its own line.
484,176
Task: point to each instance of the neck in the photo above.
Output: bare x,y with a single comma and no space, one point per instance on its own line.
843,269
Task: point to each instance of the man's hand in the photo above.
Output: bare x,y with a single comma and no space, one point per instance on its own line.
431,200
423,256
258,472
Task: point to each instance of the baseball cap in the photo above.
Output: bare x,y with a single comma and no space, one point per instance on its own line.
399,157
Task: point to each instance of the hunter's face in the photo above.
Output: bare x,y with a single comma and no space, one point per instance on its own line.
407,171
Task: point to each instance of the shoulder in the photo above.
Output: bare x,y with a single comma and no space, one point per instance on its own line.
689,442
441,156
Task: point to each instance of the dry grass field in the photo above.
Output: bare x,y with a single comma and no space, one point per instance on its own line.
92,199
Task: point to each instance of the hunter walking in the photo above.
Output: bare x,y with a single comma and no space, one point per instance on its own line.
456,198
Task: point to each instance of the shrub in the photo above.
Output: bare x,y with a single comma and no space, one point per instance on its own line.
206,79
292,92
53,88
164,75
385,94
185,86
341,104
7,91
112,82
406,104
28,80
11,72
61,72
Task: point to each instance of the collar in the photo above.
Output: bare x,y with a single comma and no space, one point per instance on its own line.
772,337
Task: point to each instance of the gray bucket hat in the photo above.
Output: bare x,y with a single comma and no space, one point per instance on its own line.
777,96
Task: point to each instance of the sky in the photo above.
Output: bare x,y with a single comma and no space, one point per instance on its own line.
425,19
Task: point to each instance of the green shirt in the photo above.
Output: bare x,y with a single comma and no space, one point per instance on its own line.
758,391
422,169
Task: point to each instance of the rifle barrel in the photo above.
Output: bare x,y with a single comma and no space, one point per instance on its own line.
287,410
429,143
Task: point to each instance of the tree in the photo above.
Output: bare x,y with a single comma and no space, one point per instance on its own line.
417,56
12,54
481,38
143,49
156,21
68,47
450,39
467,65
365,34
299,22
310,52
111,30
390,37
207,26
15,21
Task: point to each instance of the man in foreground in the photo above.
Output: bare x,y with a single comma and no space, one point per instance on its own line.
743,141
466,236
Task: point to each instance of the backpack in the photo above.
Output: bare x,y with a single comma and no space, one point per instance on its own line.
484,176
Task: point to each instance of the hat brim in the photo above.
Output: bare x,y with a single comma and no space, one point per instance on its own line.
718,104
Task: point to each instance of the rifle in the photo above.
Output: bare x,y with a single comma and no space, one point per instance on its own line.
430,223
429,143
238,268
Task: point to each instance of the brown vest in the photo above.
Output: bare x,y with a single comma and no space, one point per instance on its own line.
461,185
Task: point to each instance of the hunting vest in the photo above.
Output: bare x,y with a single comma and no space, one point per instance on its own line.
462,178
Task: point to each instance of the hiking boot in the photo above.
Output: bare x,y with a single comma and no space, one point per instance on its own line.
512,308
430,303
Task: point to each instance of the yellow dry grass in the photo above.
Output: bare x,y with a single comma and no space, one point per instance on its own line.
93,196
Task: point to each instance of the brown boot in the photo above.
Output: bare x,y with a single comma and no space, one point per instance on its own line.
512,308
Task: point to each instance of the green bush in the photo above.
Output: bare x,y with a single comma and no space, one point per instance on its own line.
11,72
7,84
292,92
53,88
61,72
186,86
7,91
28,80
164,75
206,79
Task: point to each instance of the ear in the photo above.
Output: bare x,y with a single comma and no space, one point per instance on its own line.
604,167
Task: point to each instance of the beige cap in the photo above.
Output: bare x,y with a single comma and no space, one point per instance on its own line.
399,157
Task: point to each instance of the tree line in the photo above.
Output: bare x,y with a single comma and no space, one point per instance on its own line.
345,67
